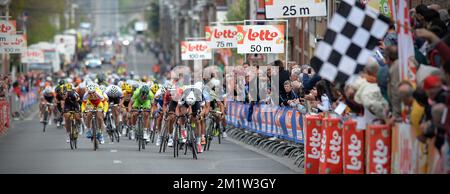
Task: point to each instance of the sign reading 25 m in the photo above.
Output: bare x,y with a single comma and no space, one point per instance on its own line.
295,8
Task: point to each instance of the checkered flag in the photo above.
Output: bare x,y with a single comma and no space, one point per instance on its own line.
349,41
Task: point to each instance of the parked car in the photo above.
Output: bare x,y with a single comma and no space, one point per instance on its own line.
92,61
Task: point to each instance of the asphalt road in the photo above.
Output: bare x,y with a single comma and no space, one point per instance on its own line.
26,149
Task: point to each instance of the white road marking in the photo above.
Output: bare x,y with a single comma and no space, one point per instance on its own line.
117,162
113,151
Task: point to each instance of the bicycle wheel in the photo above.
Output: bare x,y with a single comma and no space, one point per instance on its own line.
193,145
165,139
138,133
175,141
192,142
161,137
209,134
45,119
219,132
71,136
94,133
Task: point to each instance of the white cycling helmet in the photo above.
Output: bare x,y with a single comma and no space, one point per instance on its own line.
190,98
91,88
215,82
82,85
48,89
113,90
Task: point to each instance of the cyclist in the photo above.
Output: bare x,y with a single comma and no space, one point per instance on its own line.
157,105
190,103
94,99
59,89
47,96
101,80
217,105
127,91
115,96
169,106
142,98
71,103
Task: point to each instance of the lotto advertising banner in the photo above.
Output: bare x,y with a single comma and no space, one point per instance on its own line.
313,137
353,148
378,149
221,36
295,8
260,39
331,147
7,27
195,50
10,44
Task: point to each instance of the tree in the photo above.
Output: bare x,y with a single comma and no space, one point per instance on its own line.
40,15
153,18
238,11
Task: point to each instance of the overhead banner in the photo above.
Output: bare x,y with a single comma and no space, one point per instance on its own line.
295,8
33,56
221,36
195,50
10,44
260,39
7,27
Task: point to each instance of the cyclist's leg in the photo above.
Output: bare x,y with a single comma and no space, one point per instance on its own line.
89,120
115,111
67,122
100,122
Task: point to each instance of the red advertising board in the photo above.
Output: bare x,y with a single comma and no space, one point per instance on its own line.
331,152
378,149
353,148
313,133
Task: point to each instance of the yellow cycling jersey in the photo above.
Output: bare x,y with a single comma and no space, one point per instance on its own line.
99,100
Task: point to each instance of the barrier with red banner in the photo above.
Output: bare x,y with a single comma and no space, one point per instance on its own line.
378,149
313,133
4,116
331,147
353,148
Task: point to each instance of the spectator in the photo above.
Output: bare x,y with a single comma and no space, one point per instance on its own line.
325,96
290,98
391,57
369,94
434,89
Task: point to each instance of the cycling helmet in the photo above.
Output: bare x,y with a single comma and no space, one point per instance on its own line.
114,90
49,79
145,90
190,98
91,88
48,89
155,88
135,85
82,85
101,77
68,87
62,82
214,82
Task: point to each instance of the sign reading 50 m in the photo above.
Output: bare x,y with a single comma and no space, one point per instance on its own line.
260,39
295,8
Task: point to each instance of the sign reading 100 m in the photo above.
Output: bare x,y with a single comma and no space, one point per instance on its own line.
295,8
